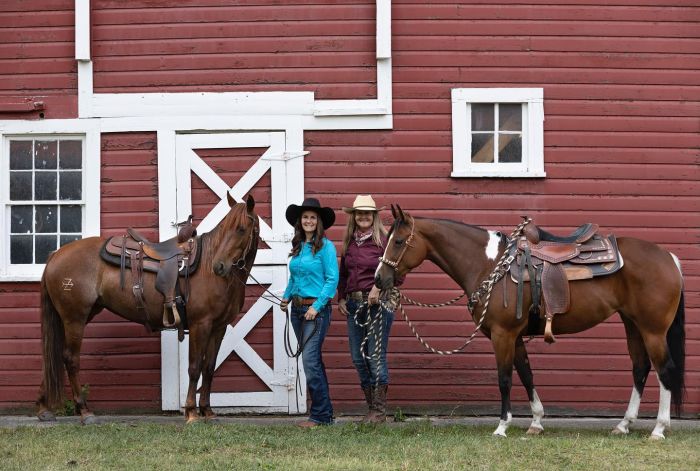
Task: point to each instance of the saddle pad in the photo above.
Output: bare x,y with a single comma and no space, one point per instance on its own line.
586,265
111,253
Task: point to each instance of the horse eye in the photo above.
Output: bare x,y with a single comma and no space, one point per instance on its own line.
241,229
398,241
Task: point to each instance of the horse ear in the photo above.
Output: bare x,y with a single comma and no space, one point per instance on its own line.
402,216
250,203
393,212
231,201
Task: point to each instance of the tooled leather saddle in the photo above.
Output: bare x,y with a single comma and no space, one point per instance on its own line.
171,260
549,262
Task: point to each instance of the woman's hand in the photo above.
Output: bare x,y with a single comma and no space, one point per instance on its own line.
373,296
343,307
311,314
284,304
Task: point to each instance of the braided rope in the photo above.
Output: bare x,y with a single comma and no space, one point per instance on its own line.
485,288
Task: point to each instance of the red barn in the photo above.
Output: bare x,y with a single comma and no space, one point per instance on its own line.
139,113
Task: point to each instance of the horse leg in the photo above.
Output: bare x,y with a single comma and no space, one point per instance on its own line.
504,346
71,359
208,373
640,371
522,366
658,353
199,335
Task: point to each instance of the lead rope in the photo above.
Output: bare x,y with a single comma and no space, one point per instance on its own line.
485,288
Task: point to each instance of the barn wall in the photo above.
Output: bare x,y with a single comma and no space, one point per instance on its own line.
37,59
622,122
621,139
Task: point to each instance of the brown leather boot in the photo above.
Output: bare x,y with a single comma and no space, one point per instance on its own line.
369,397
378,413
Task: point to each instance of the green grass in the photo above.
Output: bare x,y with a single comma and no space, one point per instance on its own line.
411,446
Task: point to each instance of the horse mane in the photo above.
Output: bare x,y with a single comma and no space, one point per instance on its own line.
441,220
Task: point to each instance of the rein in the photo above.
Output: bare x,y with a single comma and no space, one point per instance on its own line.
484,289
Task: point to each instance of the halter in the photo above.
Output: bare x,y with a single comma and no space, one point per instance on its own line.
407,244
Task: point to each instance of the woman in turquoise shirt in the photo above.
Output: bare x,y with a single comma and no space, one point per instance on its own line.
313,280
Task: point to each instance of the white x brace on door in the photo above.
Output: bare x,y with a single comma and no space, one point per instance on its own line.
270,264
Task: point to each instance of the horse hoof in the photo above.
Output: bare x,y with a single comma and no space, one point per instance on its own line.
534,430
500,434
46,416
191,420
618,431
656,437
88,419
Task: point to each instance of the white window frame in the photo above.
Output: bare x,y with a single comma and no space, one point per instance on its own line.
90,181
532,164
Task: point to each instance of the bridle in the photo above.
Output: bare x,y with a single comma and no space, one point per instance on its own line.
407,244
241,262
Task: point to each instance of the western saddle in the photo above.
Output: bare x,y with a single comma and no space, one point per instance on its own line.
549,262
171,259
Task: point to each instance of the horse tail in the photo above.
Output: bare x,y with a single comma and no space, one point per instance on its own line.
675,338
53,339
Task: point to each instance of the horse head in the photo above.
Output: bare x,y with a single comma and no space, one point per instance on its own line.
238,241
405,250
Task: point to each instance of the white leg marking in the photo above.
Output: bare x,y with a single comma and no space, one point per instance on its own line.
631,414
492,245
537,413
663,419
503,426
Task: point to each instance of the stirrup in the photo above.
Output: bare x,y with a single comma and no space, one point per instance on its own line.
548,335
176,316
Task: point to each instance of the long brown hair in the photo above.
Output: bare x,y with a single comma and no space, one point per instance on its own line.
300,237
378,231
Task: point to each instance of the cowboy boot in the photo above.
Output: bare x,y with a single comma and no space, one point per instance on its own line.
369,397
378,413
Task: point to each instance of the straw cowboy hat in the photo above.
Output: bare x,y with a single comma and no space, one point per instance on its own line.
363,203
310,204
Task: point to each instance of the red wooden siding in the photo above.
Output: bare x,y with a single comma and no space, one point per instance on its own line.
221,46
37,58
622,132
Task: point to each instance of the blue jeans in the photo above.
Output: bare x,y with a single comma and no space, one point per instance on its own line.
373,371
316,380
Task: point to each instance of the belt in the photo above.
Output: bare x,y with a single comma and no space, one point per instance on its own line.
357,295
299,301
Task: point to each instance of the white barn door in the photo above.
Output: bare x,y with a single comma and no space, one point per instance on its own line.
276,377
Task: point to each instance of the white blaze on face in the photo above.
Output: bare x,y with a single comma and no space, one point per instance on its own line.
492,245
376,272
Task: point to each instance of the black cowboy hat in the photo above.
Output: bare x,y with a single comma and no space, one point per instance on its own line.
310,204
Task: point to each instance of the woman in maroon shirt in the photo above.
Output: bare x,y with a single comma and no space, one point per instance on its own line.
364,243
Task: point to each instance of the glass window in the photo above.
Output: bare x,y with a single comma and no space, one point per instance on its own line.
497,132
45,194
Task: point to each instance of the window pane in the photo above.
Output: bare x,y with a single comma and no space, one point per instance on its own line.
482,148
70,154
46,219
20,186
510,148
44,246
21,219
65,239
21,249
20,155
71,186
45,188
510,117
45,154
483,117
71,219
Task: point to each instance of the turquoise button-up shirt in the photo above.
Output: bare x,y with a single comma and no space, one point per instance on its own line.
314,275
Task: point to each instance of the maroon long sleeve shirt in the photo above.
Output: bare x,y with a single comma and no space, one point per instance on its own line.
357,267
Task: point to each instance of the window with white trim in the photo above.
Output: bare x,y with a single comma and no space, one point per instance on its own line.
43,200
497,132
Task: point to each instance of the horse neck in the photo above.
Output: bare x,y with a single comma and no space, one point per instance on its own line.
459,250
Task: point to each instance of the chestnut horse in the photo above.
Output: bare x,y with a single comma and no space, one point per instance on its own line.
216,296
647,293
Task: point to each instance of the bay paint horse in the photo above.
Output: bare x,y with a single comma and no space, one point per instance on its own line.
647,292
216,291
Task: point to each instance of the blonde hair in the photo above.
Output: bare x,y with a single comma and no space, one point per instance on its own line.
378,231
